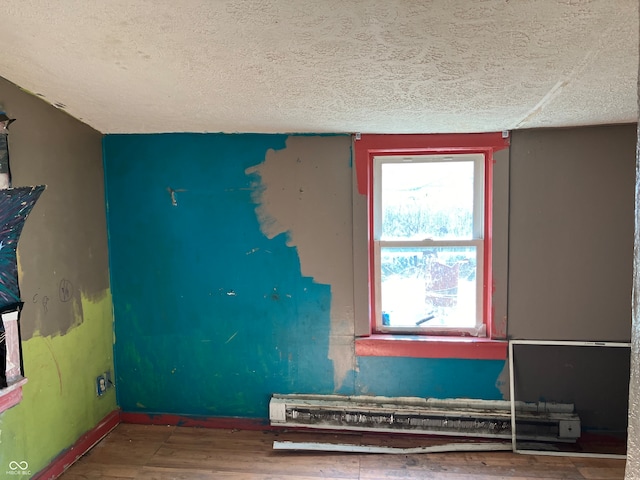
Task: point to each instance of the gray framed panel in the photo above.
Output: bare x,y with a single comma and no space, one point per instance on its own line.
600,396
571,218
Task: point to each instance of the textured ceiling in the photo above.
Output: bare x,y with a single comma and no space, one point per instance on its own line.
373,66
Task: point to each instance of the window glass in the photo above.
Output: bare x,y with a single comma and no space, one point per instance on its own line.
429,286
428,217
422,200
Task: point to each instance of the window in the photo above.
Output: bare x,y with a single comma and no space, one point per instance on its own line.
11,394
428,243
429,203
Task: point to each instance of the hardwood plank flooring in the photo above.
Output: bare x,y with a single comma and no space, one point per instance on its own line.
144,452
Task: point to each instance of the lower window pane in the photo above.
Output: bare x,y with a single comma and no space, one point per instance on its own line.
426,287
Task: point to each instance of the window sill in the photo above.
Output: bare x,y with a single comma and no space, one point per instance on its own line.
11,395
381,345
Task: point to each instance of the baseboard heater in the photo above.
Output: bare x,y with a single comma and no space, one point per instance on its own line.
543,421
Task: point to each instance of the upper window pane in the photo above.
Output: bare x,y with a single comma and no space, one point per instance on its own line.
427,199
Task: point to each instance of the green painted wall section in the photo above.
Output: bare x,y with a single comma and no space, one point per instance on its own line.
67,320
59,401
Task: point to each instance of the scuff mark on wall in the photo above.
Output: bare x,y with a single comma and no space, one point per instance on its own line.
172,195
47,342
305,192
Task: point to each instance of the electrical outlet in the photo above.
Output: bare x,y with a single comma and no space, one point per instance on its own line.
101,385
107,377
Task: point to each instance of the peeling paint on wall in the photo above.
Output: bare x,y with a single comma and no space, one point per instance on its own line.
305,192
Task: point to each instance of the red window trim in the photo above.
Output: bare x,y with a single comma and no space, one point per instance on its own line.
422,346
368,146
11,395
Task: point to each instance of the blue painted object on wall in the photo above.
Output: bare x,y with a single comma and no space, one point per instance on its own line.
211,316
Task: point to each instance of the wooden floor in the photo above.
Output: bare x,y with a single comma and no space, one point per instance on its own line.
185,453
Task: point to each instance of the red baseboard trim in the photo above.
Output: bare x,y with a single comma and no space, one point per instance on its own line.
238,423
69,456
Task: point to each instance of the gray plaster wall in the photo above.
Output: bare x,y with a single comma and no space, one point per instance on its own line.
63,248
571,226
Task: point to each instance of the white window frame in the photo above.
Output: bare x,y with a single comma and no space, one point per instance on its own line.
12,394
477,241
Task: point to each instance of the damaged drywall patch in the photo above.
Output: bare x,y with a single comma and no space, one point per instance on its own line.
305,193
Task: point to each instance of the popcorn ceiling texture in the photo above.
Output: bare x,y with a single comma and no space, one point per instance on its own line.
377,66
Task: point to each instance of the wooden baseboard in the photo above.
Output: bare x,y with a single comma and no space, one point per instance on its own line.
82,446
238,423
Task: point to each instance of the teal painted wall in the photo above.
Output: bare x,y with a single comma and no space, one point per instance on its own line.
212,316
